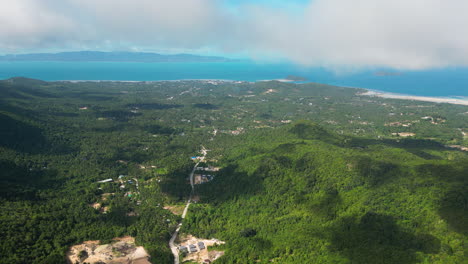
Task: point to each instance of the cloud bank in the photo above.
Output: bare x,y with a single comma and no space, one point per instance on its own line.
402,34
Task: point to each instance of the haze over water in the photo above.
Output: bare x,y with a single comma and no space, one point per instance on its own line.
449,82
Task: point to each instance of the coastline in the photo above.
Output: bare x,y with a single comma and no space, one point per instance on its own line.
179,80
155,81
438,100
277,80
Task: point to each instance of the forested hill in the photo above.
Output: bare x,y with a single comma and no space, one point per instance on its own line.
302,194
310,173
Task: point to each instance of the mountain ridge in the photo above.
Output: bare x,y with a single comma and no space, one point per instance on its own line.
119,56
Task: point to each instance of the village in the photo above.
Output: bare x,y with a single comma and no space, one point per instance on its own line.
127,186
189,248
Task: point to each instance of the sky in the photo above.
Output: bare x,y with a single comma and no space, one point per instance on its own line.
398,34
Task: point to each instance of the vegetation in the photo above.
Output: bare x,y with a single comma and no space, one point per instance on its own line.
299,194
311,173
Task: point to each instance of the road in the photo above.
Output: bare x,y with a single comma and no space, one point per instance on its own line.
174,249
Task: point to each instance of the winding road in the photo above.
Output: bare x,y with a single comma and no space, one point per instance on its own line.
174,249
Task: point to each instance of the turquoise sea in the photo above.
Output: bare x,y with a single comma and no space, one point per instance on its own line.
451,82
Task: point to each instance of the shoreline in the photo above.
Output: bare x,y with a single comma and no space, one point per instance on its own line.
277,80
439,100
155,81
179,80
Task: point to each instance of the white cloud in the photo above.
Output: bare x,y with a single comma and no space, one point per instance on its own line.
30,23
405,34
399,33
157,22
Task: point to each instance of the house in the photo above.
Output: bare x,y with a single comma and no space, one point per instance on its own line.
201,245
106,180
206,178
193,248
211,168
197,178
183,249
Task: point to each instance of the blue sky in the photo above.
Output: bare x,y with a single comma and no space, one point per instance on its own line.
399,34
295,7
268,3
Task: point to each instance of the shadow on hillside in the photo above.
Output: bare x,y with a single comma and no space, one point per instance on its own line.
118,115
131,154
12,107
206,106
108,128
90,96
24,88
230,184
414,146
20,136
153,106
64,114
176,185
376,238
453,207
97,98
312,131
22,183
160,130
118,213
327,206
375,172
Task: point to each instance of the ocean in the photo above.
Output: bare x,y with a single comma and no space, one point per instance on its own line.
448,82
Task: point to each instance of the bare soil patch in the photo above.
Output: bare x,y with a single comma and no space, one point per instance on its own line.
122,251
175,209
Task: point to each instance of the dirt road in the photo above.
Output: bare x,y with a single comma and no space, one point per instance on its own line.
174,249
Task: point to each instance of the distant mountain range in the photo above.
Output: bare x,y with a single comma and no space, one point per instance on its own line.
111,57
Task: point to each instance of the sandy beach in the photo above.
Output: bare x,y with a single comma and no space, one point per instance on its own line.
417,98
154,81
277,80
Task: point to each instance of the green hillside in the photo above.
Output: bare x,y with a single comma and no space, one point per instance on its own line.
310,173
300,194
